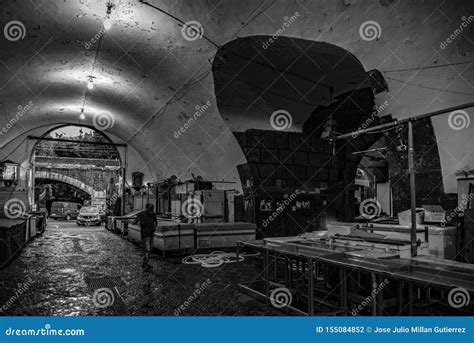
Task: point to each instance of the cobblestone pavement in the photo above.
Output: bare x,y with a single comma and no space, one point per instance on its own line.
48,278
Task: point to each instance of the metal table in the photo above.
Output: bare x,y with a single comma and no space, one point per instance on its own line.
316,265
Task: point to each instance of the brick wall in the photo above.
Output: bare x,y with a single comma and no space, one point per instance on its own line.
96,178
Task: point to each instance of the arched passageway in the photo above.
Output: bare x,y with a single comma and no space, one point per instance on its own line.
80,156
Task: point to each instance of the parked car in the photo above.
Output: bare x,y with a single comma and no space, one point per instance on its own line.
89,215
65,210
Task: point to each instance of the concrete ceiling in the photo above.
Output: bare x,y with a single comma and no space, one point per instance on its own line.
149,79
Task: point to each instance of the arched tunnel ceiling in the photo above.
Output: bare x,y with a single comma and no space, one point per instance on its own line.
150,79
253,76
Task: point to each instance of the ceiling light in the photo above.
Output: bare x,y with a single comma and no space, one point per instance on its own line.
82,116
90,82
107,23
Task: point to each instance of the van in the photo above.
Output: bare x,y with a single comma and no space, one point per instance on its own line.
65,210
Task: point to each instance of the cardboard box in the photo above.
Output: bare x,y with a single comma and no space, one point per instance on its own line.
340,228
434,213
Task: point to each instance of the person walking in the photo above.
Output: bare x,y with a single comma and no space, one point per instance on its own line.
148,222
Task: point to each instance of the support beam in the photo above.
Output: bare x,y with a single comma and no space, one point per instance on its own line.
411,170
411,151
402,121
77,142
124,175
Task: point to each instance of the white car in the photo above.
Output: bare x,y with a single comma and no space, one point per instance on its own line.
89,215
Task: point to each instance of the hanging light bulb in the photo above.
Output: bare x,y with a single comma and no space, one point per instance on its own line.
90,83
108,21
82,116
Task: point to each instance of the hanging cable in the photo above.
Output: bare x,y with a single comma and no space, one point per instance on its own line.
425,68
431,88
265,65
91,77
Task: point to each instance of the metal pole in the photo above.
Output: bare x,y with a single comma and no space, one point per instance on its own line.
266,273
310,286
411,170
29,190
124,175
375,303
402,121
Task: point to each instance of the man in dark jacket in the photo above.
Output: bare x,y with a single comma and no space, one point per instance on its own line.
148,223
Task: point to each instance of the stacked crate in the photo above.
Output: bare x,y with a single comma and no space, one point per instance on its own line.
213,202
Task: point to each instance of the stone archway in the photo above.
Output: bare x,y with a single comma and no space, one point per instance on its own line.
66,179
80,156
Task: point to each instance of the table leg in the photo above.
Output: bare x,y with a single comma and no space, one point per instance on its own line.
343,288
400,296
266,262
410,299
373,279
310,287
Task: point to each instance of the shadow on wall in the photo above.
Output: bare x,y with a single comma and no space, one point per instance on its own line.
254,86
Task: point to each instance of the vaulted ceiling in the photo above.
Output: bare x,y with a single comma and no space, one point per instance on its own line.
149,75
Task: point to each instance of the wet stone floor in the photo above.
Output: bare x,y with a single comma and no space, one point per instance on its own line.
49,278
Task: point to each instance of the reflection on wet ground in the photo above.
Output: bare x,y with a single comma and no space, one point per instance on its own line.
48,278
